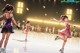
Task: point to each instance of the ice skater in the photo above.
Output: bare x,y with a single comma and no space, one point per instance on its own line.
7,29
64,33
27,29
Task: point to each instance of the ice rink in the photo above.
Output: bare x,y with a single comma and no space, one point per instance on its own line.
40,43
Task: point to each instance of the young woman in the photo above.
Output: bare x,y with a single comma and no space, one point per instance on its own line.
64,33
27,29
7,29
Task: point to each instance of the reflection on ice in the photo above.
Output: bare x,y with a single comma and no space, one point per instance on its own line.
40,43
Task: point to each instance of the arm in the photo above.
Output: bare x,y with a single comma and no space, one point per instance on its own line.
56,20
13,20
1,17
26,26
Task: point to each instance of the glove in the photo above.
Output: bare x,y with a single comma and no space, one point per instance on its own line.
18,27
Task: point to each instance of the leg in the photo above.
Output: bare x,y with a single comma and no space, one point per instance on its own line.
62,37
26,36
6,40
65,40
59,37
3,37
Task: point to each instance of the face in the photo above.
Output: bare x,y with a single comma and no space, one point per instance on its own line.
6,11
66,19
10,11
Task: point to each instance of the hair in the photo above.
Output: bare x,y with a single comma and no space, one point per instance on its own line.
8,7
63,17
28,21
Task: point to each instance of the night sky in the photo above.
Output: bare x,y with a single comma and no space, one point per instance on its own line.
53,9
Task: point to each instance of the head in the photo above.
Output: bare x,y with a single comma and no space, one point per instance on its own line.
28,22
8,8
64,18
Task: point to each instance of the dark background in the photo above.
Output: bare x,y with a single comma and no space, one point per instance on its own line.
54,8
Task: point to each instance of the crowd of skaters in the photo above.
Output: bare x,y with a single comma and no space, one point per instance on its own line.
7,28
38,28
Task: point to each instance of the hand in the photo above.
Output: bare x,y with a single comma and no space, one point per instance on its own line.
53,19
18,27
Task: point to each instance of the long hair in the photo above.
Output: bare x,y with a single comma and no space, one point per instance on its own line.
8,7
63,17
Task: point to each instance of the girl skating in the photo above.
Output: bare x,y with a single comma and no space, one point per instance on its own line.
7,29
64,33
27,29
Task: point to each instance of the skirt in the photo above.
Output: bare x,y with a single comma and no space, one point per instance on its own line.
26,30
65,32
7,29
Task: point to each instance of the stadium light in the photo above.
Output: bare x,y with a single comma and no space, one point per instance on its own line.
49,22
44,6
69,13
20,7
46,21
